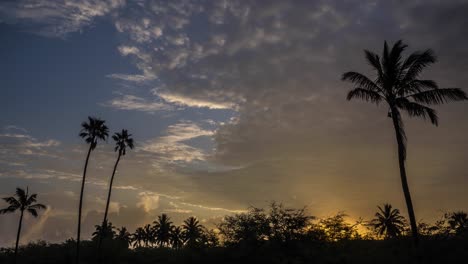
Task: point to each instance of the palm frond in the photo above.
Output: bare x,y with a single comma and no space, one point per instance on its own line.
12,201
9,209
417,110
374,60
31,199
360,80
365,95
33,212
439,96
418,62
37,206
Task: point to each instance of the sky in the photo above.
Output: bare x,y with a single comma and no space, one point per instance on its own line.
231,104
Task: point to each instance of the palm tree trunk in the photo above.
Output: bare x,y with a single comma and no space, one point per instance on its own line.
404,181
18,234
104,222
110,188
81,205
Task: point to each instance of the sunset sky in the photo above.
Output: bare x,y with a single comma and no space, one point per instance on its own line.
230,103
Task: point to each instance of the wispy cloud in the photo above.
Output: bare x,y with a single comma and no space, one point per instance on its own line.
131,102
183,100
138,78
56,18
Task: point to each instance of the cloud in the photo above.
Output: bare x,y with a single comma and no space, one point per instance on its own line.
182,100
138,78
173,147
56,18
148,201
131,102
15,128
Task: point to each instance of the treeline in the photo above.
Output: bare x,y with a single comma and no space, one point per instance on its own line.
243,234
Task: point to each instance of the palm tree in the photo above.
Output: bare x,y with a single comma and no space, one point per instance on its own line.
397,83
148,235
124,236
176,237
193,231
92,132
138,237
162,230
458,222
122,141
23,202
104,231
388,222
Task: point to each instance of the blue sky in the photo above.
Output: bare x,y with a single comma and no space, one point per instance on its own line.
231,104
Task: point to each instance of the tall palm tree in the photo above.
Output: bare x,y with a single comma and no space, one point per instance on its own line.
22,202
397,83
162,230
176,237
193,231
388,222
91,131
122,141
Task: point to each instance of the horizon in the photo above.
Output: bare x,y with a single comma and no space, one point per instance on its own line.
231,104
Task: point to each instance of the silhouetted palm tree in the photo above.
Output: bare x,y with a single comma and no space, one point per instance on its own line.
92,132
388,222
138,237
122,141
23,202
124,236
397,84
176,237
104,231
193,231
458,222
148,235
162,230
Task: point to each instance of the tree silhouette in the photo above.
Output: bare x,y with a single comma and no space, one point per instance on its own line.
193,231
398,85
122,141
91,131
162,230
22,202
388,222
104,231
124,236
139,237
177,237
458,222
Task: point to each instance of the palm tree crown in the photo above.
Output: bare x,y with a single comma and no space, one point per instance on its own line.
162,230
397,83
122,141
23,202
193,231
388,222
94,130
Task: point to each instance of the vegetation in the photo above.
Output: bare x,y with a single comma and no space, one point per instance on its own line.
276,235
22,202
397,83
